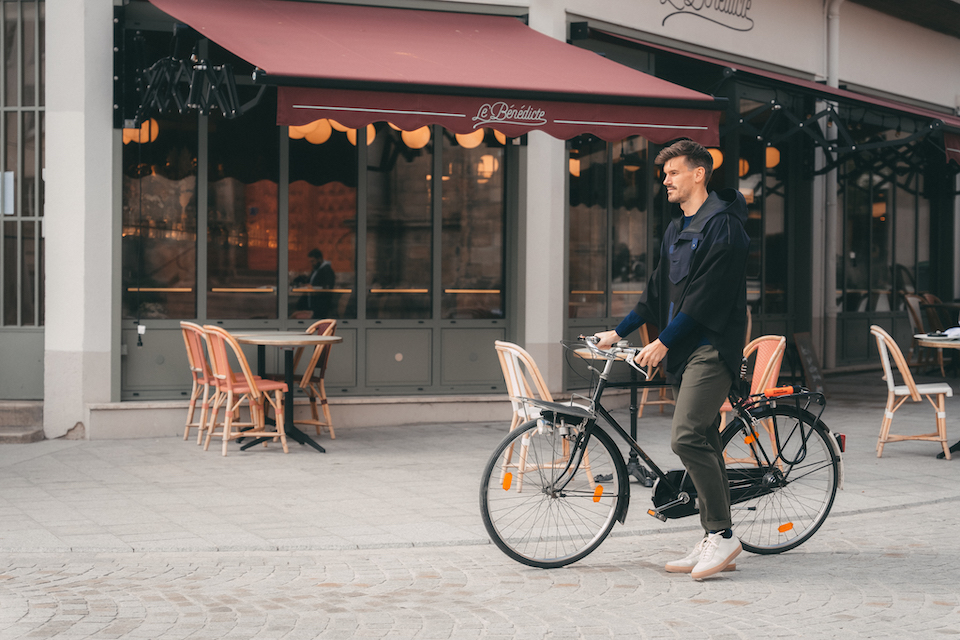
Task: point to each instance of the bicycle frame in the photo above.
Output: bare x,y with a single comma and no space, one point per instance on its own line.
742,406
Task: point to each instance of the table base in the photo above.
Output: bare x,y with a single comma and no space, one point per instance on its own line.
291,432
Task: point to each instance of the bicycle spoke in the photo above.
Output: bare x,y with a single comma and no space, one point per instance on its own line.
788,481
552,512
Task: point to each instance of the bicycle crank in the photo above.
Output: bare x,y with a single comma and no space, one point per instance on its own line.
657,512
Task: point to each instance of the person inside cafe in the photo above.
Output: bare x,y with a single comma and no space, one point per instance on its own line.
322,276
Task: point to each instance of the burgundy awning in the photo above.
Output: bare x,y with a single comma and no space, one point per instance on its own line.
359,64
951,141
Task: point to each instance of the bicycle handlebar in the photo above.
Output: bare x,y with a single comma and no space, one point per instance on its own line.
622,347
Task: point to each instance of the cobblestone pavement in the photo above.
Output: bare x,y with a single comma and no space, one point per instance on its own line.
861,576
382,538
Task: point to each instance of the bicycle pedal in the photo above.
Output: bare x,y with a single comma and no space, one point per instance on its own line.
656,514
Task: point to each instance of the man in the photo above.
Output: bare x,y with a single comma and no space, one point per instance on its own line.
698,295
322,276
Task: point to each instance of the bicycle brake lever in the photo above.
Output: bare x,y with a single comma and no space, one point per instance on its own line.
633,363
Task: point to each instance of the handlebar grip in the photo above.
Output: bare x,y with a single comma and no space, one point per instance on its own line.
774,392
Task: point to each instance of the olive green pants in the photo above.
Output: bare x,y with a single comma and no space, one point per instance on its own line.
695,434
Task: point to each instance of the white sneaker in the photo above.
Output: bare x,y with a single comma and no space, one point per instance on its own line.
686,565
717,554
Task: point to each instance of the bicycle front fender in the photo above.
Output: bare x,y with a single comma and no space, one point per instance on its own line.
624,502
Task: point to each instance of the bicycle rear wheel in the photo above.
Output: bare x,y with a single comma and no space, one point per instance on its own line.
545,501
783,477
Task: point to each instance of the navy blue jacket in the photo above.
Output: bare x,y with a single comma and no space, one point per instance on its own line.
702,272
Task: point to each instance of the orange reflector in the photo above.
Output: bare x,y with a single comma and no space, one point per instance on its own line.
785,527
750,439
597,493
507,480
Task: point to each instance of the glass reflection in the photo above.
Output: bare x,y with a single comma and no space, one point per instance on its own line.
159,270
399,226
11,52
473,199
323,224
588,228
242,227
628,260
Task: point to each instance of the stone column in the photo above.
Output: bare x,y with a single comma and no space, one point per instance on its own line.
543,256
78,210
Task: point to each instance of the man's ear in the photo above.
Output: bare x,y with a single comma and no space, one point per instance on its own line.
699,174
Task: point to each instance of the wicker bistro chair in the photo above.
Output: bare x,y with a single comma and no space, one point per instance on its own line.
909,390
766,368
916,356
766,371
195,341
233,390
312,380
652,373
523,380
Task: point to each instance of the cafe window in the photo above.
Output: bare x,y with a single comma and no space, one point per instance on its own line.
159,272
588,244
762,179
400,182
242,214
21,164
322,237
885,223
613,240
473,216
628,259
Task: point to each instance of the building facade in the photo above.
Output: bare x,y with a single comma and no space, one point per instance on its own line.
837,122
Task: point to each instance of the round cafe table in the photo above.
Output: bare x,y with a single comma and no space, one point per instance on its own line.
940,342
288,341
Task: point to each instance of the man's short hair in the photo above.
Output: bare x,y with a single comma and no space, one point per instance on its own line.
315,253
696,155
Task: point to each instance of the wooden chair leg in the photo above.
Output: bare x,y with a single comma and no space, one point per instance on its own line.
942,425
204,410
191,408
313,409
325,405
228,420
643,401
214,411
326,416
885,424
278,396
522,462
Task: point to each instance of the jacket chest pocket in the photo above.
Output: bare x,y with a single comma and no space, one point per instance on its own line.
681,256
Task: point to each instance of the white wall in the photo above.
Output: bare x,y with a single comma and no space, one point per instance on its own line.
784,34
78,210
897,57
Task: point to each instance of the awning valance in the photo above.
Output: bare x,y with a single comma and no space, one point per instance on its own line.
361,64
951,141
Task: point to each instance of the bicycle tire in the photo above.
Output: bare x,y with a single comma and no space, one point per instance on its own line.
530,521
782,490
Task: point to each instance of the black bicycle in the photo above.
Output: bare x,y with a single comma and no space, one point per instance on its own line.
555,487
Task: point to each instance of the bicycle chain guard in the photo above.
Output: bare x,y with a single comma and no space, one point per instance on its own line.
662,494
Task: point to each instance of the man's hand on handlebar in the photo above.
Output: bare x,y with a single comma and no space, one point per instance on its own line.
606,339
652,354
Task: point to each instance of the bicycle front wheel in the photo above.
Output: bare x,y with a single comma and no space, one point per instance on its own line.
546,499
784,471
